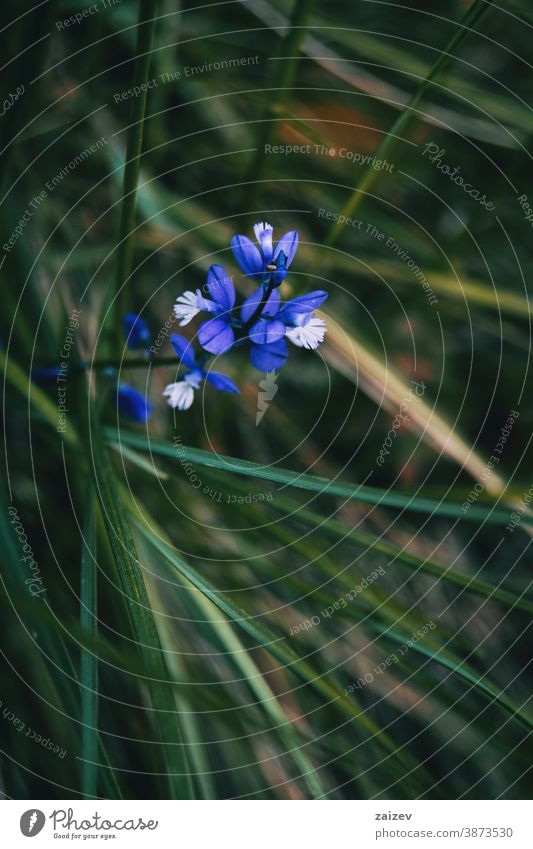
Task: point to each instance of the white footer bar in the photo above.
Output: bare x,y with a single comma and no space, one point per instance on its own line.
268,824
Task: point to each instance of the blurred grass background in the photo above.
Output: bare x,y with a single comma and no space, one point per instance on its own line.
160,658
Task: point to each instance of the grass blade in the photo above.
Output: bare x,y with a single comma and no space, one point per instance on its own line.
89,663
356,362
141,75
273,644
287,63
142,619
368,542
313,483
21,382
390,141
328,59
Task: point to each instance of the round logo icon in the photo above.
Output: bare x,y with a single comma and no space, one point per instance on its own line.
32,822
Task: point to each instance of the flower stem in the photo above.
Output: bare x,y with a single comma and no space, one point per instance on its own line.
287,64
120,363
144,362
258,310
145,36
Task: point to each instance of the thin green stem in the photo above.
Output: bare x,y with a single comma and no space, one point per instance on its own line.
143,362
258,310
89,663
141,76
390,141
287,63
82,366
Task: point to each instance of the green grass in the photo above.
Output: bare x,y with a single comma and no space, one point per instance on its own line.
230,621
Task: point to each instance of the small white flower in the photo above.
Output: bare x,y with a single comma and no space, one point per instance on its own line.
308,335
180,394
186,307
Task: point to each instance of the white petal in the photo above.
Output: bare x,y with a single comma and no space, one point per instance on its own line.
186,307
308,335
194,378
260,227
180,395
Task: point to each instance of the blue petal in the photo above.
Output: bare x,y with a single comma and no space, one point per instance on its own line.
289,245
220,287
222,382
264,332
216,336
302,304
252,302
136,331
183,349
269,357
247,255
133,404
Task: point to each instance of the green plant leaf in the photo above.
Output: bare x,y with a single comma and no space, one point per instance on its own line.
397,131
89,663
144,627
324,486
273,644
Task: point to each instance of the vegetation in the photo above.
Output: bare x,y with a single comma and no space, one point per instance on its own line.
330,599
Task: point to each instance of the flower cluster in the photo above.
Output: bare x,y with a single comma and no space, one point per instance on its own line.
263,322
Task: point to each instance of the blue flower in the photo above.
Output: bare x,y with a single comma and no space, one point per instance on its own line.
181,393
266,263
217,334
133,404
47,374
293,320
136,332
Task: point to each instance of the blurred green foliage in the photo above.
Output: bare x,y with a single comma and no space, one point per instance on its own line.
164,656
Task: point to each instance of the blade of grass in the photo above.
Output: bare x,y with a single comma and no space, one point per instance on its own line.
257,683
273,644
285,69
390,141
383,50
119,534
368,542
463,670
196,748
255,680
141,76
356,362
327,58
35,396
139,461
387,613
466,291
89,663
313,483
